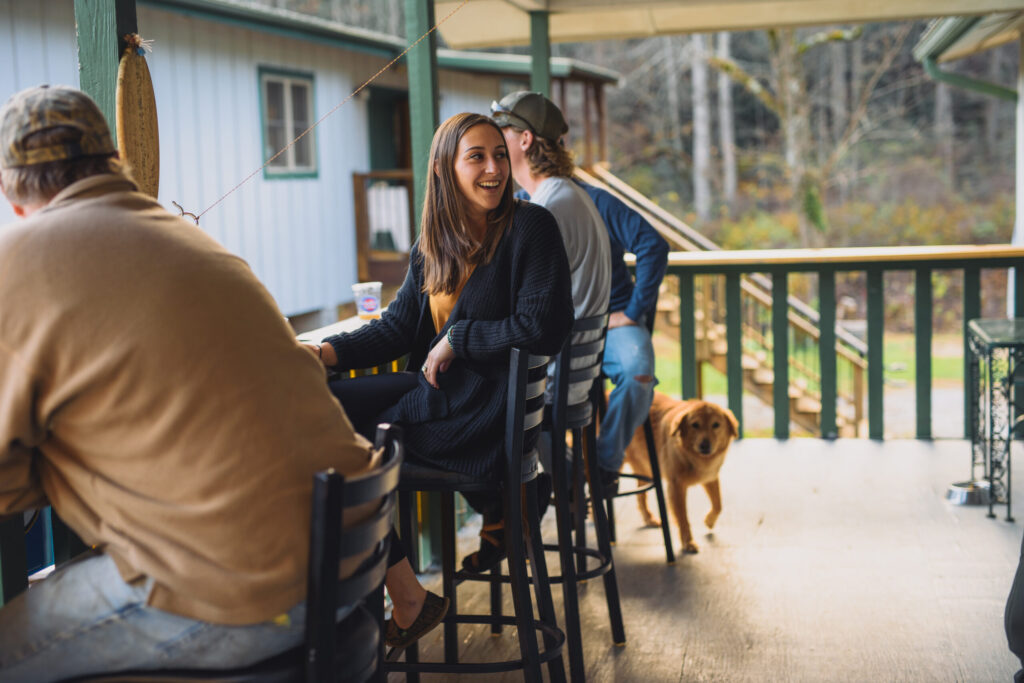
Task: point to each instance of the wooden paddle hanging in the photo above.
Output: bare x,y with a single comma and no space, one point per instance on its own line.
138,138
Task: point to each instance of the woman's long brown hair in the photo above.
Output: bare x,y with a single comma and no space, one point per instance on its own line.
447,247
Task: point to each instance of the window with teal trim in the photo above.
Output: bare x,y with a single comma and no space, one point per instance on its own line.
287,101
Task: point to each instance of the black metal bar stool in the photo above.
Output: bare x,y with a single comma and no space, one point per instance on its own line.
349,650
644,484
577,367
524,416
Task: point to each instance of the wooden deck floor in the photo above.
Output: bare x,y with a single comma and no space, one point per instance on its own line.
831,562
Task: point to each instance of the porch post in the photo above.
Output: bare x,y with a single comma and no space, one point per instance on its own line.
423,114
100,26
540,53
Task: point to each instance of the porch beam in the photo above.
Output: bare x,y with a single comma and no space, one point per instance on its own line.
100,26
500,23
540,53
423,112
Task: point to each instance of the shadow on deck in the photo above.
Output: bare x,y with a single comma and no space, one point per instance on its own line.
832,561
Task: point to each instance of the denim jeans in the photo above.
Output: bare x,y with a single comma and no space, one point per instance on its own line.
628,354
85,619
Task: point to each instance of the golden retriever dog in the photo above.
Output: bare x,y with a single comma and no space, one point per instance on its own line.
692,438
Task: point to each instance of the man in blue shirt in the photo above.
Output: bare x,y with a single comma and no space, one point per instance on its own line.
628,352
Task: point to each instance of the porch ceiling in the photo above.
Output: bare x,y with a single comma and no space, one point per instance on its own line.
495,23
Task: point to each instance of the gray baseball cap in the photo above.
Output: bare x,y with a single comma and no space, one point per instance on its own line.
532,111
43,108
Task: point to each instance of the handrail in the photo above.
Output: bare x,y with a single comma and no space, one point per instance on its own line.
388,174
874,262
802,318
810,259
638,198
640,202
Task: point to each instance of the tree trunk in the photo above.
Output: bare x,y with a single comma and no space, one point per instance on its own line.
701,130
726,132
944,131
794,118
673,122
840,107
992,107
856,83
840,103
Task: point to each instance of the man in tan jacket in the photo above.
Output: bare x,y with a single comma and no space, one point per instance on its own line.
153,394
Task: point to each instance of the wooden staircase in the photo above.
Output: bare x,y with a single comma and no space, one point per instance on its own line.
712,349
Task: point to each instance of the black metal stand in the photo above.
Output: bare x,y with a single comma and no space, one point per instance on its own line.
996,366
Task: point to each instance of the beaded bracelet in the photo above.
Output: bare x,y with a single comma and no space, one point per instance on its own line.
451,343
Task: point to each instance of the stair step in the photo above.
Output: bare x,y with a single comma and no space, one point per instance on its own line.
720,347
809,406
749,362
763,376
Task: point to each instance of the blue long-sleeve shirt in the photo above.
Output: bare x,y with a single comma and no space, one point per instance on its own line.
629,231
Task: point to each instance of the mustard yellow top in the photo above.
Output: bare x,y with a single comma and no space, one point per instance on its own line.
442,305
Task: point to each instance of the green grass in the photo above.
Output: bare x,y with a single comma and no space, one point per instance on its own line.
947,363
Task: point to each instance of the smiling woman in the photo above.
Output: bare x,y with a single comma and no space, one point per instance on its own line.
488,273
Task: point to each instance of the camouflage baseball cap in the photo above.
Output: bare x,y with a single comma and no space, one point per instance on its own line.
44,108
532,111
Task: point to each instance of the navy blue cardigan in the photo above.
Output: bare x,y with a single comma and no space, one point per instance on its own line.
523,297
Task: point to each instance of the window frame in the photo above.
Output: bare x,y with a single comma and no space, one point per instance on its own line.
287,78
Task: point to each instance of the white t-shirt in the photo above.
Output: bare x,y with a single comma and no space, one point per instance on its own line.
586,243
590,260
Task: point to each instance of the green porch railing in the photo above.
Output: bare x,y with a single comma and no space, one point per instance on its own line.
874,262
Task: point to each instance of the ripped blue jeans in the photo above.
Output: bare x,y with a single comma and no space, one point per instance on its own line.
629,364
85,619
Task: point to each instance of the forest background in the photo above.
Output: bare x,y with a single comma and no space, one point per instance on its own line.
827,136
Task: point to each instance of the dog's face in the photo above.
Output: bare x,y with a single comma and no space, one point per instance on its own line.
705,429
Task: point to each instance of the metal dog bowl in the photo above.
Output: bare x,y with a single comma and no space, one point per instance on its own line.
969,493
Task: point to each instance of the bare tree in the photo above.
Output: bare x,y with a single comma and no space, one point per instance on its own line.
787,98
839,90
944,130
701,129
992,105
726,132
672,74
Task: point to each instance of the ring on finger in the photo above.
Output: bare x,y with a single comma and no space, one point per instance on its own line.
424,368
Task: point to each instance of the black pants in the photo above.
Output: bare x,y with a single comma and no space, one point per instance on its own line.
364,399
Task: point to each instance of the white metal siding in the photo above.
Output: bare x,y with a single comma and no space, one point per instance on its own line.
297,234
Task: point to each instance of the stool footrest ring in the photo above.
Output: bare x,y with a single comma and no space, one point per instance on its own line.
479,667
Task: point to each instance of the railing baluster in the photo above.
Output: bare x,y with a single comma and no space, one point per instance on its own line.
827,351
687,336
923,352
734,341
1018,290
972,310
876,368
780,352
